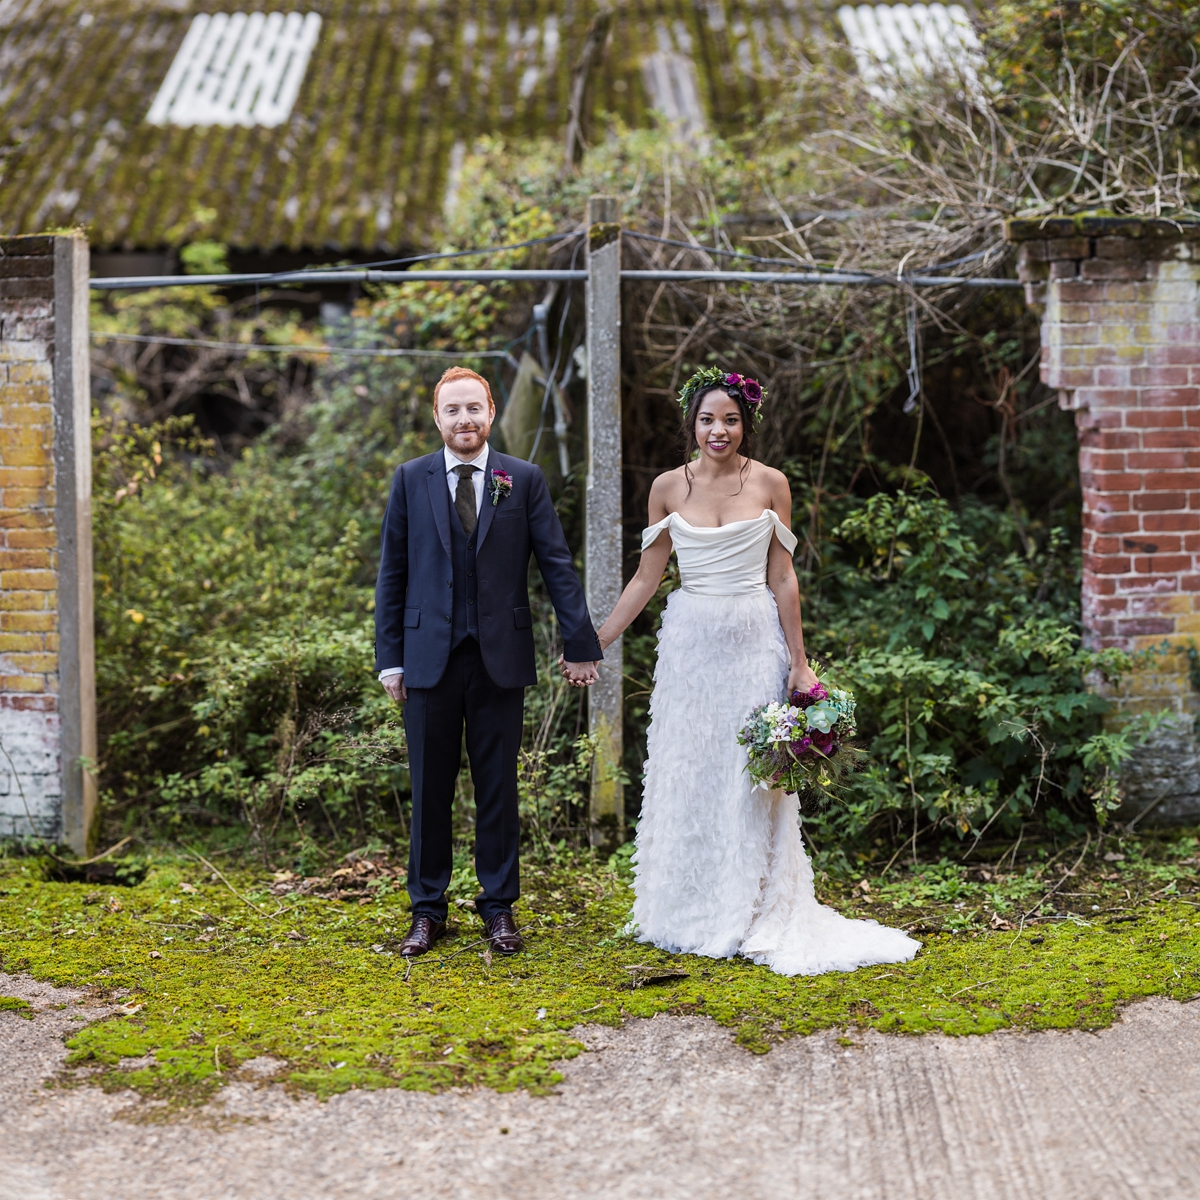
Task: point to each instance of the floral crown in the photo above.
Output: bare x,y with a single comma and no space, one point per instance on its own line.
741,387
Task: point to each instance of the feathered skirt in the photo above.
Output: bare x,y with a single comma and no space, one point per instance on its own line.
719,865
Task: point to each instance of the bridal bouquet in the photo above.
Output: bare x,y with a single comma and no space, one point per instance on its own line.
804,746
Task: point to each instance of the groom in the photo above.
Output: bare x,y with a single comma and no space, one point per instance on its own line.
454,642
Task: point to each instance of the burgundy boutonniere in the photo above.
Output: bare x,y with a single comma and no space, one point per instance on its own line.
501,485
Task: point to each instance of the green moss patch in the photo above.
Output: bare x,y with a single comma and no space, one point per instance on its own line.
207,981
16,1005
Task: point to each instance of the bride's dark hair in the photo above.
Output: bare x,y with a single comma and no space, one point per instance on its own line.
692,446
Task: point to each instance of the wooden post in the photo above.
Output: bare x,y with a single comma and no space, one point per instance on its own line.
602,544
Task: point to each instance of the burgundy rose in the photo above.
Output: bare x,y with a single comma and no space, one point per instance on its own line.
824,742
752,391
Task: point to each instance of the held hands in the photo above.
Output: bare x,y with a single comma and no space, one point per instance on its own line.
578,674
394,686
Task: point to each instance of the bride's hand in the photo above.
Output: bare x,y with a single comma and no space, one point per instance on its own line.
801,678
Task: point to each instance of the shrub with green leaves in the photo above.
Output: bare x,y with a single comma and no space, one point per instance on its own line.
976,698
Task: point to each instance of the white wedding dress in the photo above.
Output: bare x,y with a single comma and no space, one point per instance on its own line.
720,867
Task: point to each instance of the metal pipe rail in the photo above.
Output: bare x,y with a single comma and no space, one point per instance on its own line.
351,275
816,278
335,275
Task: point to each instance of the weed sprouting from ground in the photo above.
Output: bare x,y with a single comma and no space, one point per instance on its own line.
209,979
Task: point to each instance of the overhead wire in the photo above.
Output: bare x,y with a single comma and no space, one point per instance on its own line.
284,348
787,262
446,254
758,258
313,274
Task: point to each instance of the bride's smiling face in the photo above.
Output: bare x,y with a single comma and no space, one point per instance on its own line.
719,428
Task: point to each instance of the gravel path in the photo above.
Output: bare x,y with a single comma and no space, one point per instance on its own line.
661,1109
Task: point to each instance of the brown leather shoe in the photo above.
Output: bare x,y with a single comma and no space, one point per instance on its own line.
501,931
421,936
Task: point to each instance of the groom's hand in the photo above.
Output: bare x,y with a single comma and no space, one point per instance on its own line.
394,686
579,674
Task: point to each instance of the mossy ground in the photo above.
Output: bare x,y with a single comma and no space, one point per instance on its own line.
208,982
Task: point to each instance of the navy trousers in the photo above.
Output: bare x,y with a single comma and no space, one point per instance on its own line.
434,719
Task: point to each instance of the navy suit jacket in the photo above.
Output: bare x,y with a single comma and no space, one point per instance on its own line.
413,602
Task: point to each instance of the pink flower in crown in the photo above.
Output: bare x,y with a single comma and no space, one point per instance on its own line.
501,485
734,379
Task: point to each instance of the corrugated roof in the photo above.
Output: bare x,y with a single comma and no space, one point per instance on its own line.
364,157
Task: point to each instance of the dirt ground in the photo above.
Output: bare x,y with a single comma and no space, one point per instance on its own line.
663,1108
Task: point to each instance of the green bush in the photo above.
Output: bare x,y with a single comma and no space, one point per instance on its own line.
961,641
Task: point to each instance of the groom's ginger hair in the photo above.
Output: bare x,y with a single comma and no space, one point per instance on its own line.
453,373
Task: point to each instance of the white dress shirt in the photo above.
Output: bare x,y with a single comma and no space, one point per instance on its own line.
479,479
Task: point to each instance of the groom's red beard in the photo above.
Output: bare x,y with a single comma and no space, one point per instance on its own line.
468,441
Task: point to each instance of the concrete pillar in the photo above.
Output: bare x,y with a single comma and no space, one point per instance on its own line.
47,677
602,540
1120,304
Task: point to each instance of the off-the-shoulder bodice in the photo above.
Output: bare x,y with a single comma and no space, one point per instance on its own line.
728,560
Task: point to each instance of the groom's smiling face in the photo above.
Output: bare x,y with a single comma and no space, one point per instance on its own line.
464,416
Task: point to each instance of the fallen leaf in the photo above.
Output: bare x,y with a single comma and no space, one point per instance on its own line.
155,954
643,974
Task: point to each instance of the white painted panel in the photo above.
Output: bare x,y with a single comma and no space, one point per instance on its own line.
237,69
181,67
30,778
897,43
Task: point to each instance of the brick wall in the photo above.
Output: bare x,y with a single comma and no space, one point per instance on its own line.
44,700
1120,303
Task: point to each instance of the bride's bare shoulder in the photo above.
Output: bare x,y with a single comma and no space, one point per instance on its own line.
770,476
669,488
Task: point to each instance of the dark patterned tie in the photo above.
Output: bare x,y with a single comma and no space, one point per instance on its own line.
464,498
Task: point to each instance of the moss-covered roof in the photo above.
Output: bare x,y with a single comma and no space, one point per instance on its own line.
364,158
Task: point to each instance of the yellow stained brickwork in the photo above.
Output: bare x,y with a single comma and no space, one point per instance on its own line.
28,546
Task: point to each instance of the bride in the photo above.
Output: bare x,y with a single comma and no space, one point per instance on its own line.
720,867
